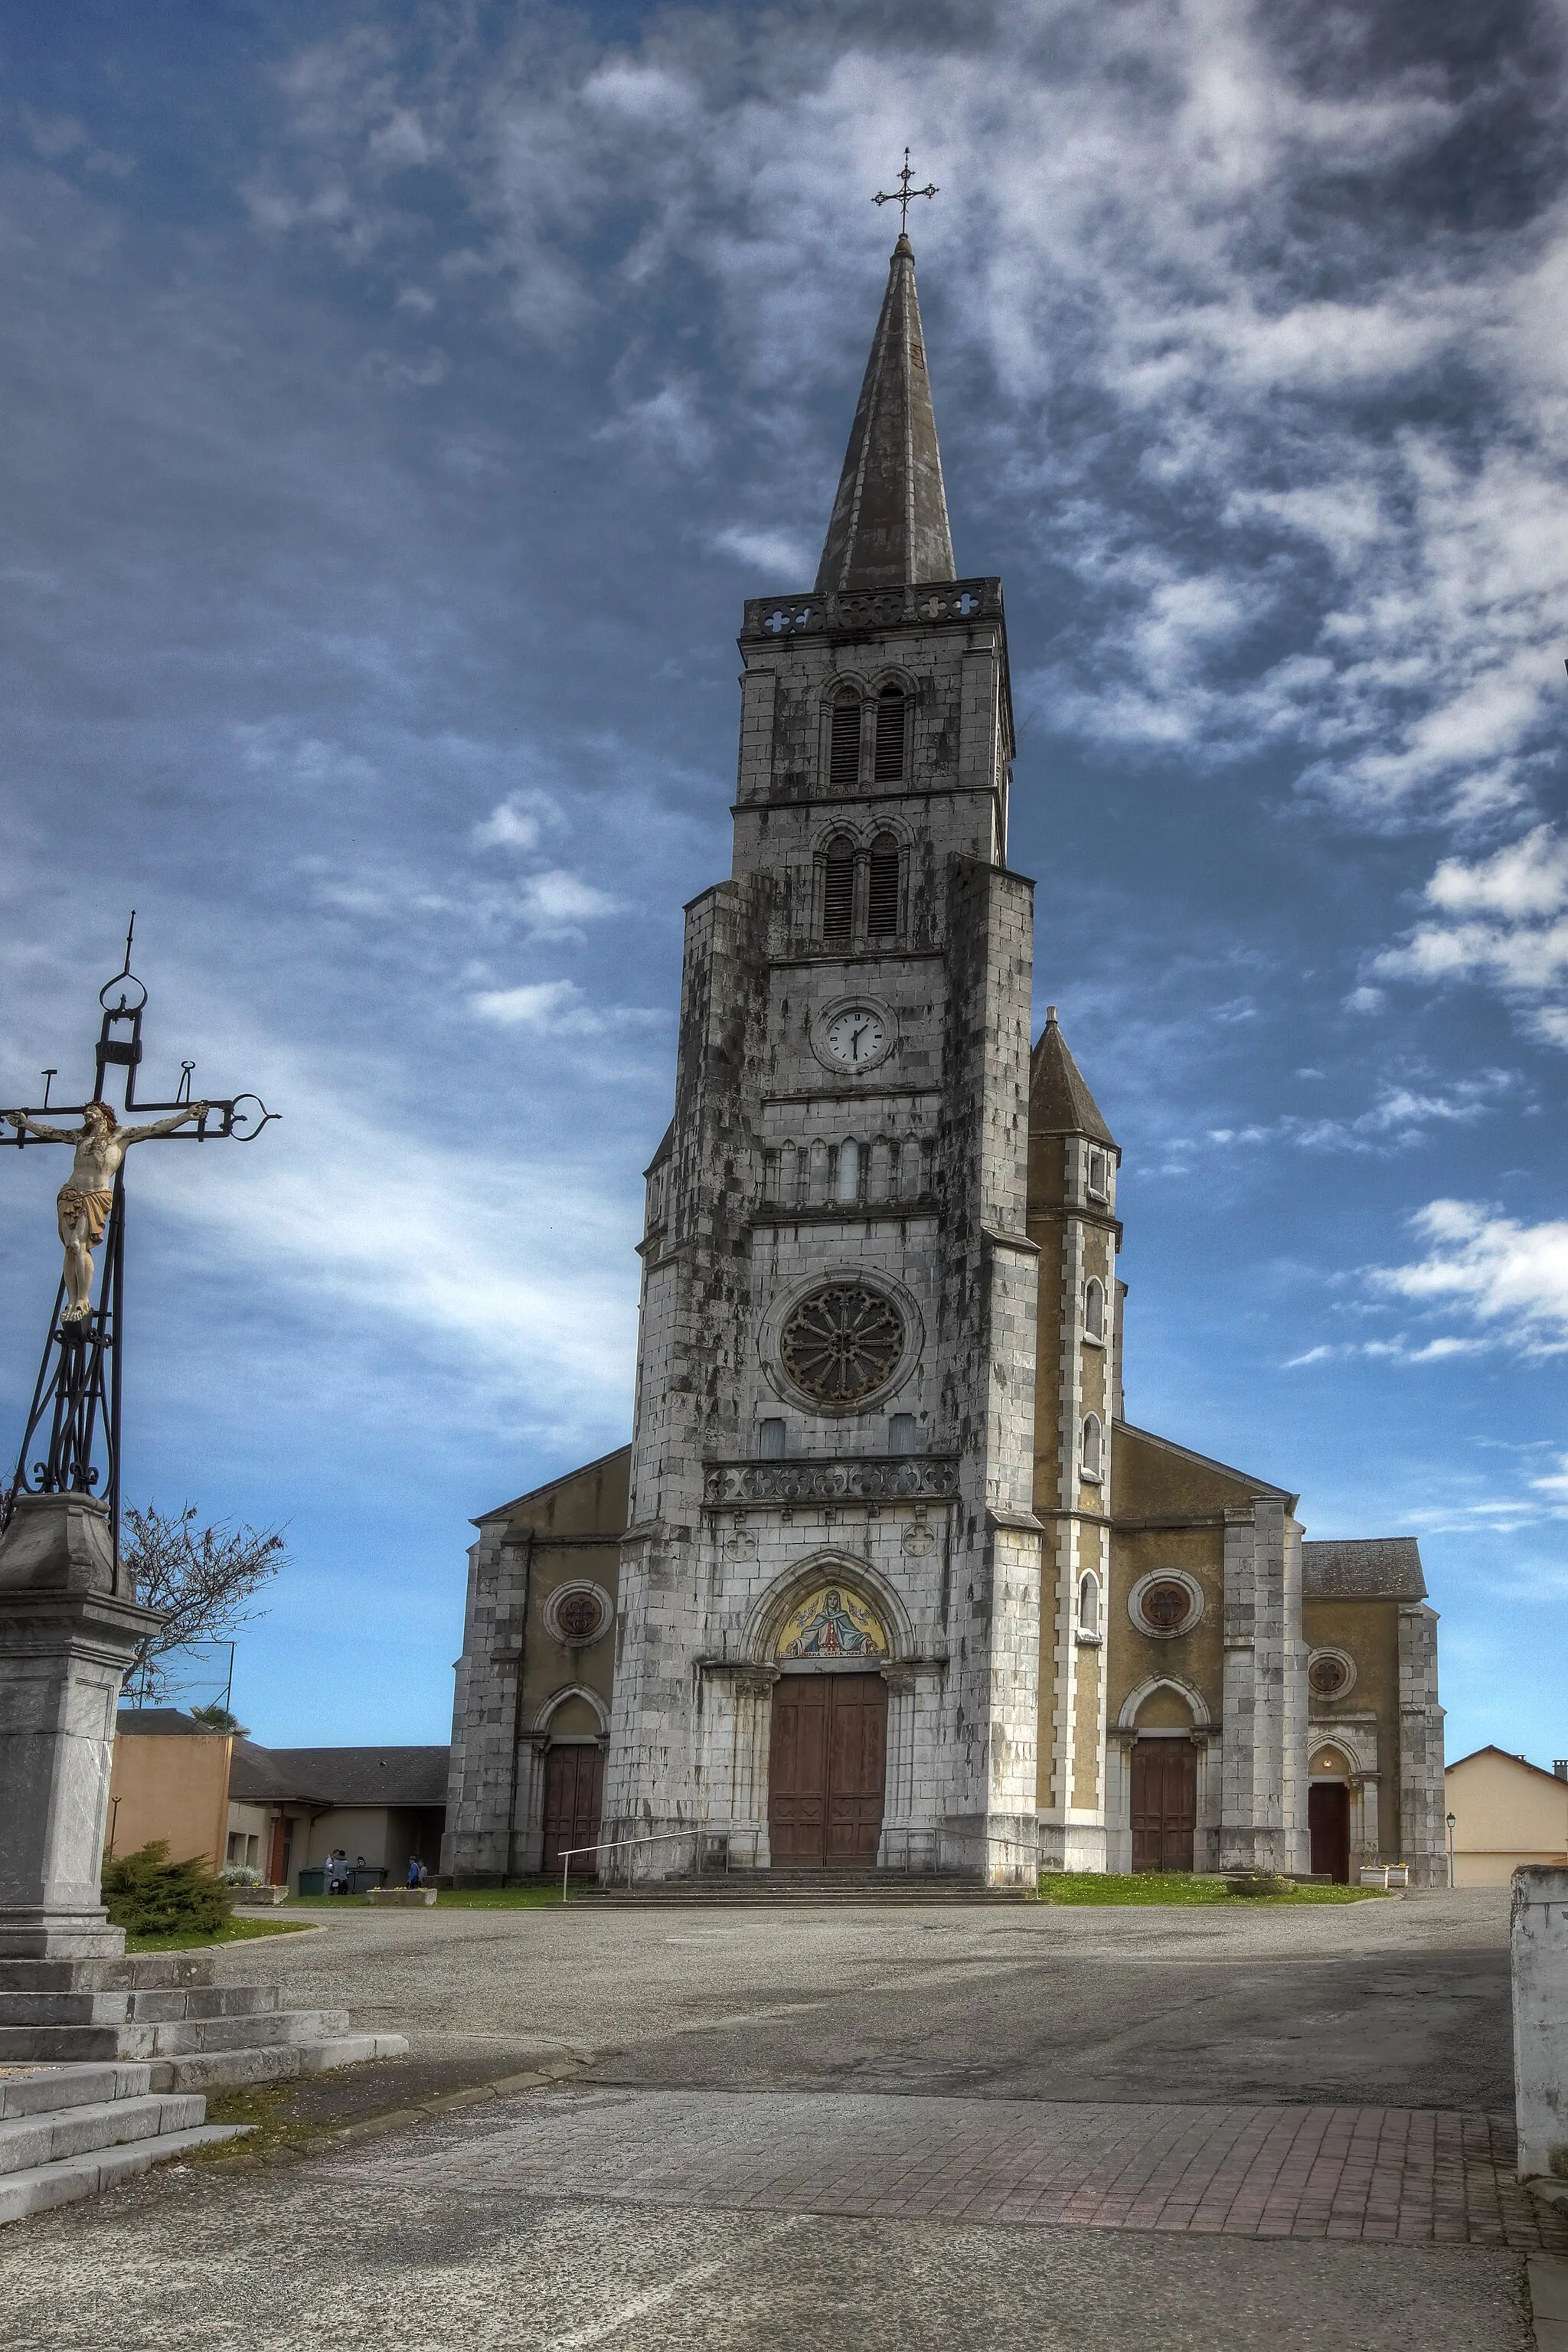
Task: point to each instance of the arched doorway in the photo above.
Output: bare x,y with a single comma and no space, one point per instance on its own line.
827,1758
574,1786
1165,1783
1328,1815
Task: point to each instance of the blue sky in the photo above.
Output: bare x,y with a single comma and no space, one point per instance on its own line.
400,402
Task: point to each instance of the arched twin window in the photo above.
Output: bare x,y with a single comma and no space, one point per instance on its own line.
1094,1308
890,739
1093,1445
883,889
1088,1604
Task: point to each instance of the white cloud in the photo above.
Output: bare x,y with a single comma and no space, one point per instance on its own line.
1492,1269
518,823
1501,919
1364,1000
557,1008
556,902
777,552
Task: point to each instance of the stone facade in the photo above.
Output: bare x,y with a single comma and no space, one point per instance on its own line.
881,1337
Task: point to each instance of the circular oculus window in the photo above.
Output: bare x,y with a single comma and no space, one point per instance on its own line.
1166,1603
842,1342
1330,1673
577,1614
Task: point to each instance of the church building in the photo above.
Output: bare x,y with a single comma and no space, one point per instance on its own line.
885,1580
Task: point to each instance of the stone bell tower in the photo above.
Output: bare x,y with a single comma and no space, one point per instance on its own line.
833,1455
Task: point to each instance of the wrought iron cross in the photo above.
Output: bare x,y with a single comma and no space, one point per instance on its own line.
905,195
75,1411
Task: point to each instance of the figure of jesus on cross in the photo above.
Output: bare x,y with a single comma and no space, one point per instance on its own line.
84,1201
75,1415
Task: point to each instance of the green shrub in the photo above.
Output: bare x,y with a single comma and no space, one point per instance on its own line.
148,1895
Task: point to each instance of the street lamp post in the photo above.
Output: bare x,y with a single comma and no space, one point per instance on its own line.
1452,1820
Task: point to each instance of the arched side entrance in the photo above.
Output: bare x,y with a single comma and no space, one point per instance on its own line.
1164,1782
1328,1815
574,1784
827,1760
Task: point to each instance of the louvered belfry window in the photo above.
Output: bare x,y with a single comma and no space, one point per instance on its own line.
891,708
882,894
838,893
843,754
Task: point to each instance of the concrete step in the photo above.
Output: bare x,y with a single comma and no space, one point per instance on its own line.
28,2141
154,2006
170,2040
43,2187
187,2036
765,1890
38,2090
134,1972
280,2061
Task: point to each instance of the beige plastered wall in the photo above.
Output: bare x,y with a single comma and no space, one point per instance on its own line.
576,1529
1368,1633
1506,1813
172,1788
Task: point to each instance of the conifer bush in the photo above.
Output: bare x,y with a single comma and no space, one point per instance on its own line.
148,1895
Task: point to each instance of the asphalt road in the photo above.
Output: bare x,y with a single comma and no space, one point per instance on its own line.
478,2229
1399,2003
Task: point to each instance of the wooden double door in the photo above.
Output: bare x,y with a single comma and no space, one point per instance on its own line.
827,1769
1165,1803
574,1800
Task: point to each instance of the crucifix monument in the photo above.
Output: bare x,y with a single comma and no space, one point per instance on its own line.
69,1620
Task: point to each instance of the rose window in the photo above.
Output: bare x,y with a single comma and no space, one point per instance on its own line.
1166,1606
842,1342
579,1616
1328,1675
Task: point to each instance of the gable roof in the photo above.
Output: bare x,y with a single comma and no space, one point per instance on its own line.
1207,1461
537,1494
1523,1763
1059,1102
338,1776
1366,1568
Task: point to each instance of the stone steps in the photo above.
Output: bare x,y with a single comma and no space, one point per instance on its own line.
66,2132
802,1886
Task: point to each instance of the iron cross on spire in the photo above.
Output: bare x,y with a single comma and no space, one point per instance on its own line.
905,195
76,1402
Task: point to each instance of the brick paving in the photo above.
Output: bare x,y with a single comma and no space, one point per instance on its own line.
1415,2175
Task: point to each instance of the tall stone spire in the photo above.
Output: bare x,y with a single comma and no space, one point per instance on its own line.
889,518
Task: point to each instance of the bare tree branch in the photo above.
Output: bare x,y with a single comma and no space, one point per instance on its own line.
198,1578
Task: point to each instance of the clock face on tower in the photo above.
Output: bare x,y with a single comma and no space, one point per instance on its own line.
858,1036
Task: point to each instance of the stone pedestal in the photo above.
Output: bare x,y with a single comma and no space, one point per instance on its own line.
1540,1951
68,1635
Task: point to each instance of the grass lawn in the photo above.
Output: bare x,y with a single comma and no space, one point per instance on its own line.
239,1931
1177,1887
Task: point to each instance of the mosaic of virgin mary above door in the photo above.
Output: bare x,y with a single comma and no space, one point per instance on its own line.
832,1623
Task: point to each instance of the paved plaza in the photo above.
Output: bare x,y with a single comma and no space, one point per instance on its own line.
921,2127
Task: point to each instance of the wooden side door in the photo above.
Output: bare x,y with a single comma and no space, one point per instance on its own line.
1329,1821
798,1770
857,1765
1165,1803
574,1797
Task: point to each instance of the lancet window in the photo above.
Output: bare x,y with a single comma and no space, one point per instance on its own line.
882,888
844,744
893,712
838,893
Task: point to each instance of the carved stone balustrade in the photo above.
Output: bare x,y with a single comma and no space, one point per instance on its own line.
836,1478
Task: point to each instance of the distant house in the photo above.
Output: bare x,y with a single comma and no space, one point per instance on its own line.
289,1808
1507,1812
279,1810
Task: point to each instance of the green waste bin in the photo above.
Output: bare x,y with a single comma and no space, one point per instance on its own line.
313,1881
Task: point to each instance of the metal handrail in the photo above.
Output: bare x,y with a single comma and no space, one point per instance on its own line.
661,1837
